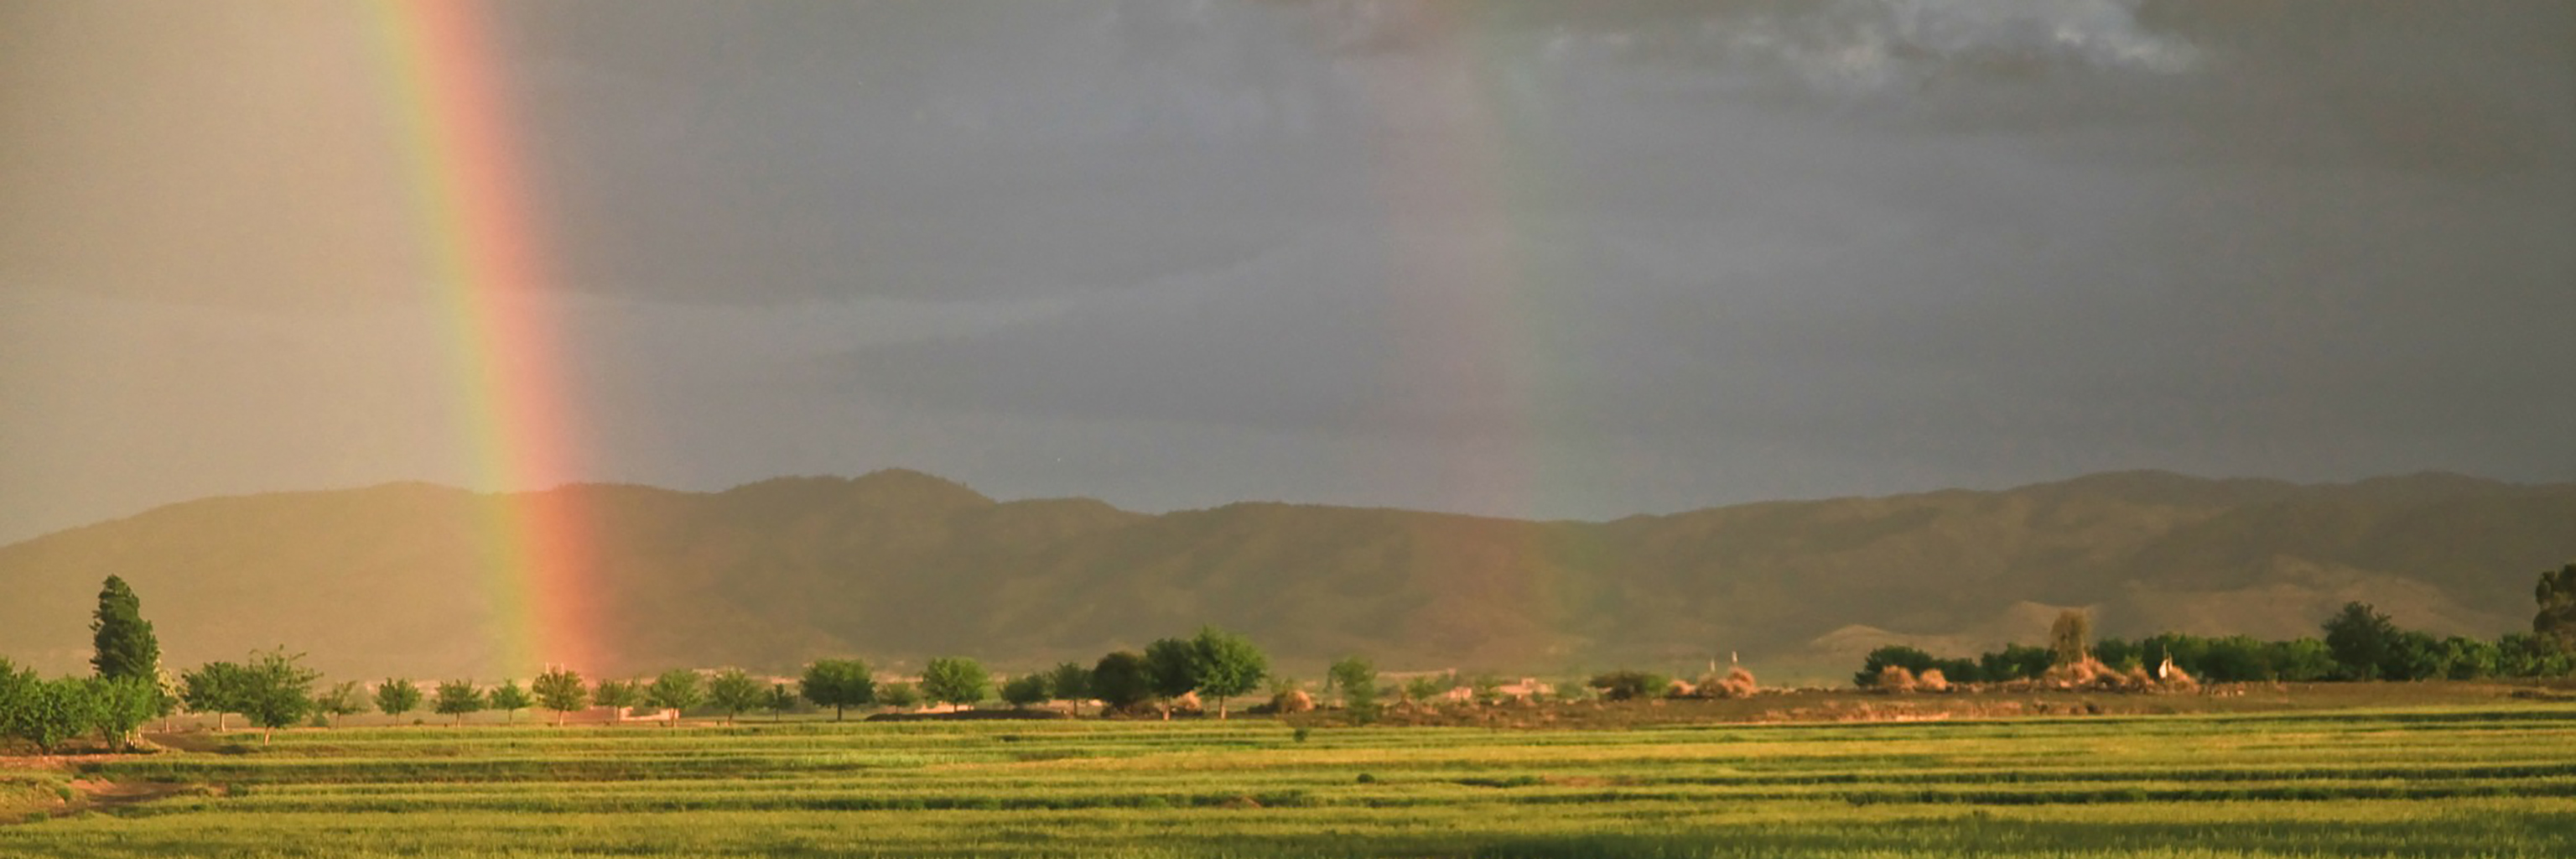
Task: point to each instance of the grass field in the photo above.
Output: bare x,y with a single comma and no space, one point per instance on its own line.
2488,780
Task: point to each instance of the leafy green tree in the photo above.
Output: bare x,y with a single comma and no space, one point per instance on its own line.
118,707
1960,670
2015,662
1356,680
1226,665
1122,681
839,684
676,690
341,699
1909,658
2557,597
1025,691
215,687
560,690
2532,655
955,680
1069,682
1626,684
618,695
2118,653
16,694
396,696
2418,656
779,700
458,698
899,696
2466,658
1173,664
277,691
2300,660
509,698
124,640
1429,686
49,713
2365,643
2235,659
733,691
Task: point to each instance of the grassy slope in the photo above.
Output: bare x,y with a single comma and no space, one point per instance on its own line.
901,566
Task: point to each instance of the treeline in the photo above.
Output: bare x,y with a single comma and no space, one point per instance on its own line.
272,689
2358,643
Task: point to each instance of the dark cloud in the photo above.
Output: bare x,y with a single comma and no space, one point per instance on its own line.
1523,256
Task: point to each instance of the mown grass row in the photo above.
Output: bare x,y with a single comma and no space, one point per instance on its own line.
2451,782
2503,828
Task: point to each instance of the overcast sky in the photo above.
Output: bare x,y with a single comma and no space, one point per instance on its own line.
1534,258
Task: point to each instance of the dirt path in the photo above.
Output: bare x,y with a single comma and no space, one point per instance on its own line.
100,794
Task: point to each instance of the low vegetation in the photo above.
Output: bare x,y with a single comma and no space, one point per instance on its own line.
2358,643
2488,780
2362,769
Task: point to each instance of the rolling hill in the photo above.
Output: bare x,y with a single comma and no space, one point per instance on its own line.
898,566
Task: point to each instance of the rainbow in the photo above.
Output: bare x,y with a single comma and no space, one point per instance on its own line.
455,127
1455,196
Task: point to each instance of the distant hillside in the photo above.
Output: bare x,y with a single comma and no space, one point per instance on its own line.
899,566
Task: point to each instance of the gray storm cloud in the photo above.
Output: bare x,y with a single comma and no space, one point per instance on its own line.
1183,253
1838,44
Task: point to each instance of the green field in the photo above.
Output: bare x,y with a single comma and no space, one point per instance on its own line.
2496,780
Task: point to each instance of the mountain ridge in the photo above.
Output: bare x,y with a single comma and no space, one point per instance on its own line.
899,565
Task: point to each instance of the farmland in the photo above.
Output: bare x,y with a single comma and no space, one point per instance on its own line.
2493,780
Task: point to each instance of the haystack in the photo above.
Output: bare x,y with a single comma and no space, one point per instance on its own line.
1737,684
1895,678
2137,678
2080,674
1932,680
1292,701
2178,680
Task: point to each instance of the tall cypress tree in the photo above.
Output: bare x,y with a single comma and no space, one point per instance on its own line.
126,647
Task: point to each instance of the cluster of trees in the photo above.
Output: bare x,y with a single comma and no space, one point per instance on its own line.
47,713
272,689
2359,643
1214,663
564,691
126,690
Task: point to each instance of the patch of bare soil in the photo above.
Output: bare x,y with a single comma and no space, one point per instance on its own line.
186,741
104,792
53,762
